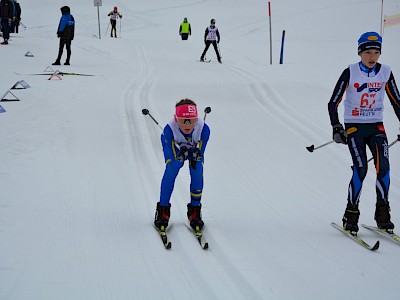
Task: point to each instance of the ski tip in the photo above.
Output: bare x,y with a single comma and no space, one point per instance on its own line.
168,245
376,246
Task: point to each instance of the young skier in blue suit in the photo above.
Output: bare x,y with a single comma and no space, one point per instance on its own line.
184,138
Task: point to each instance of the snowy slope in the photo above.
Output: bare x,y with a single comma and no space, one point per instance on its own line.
81,166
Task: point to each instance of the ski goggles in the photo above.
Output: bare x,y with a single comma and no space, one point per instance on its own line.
185,122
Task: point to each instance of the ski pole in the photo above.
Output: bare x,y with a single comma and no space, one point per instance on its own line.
120,24
390,145
312,148
107,28
146,112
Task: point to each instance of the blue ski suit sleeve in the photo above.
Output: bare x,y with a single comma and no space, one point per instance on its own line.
167,142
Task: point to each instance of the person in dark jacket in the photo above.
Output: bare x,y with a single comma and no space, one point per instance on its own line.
17,17
211,36
362,88
65,31
6,15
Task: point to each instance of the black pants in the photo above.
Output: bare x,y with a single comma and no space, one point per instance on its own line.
5,28
359,137
113,27
67,44
208,43
184,36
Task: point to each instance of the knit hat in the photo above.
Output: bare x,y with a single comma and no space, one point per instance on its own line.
369,40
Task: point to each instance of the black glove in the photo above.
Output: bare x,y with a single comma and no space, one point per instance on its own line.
58,34
182,155
196,154
120,17
339,134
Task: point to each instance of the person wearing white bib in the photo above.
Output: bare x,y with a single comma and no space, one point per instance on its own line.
184,138
364,85
211,36
114,14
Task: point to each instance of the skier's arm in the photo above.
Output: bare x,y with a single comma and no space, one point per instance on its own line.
393,93
205,35
110,13
63,23
205,135
337,96
219,38
168,144
180,29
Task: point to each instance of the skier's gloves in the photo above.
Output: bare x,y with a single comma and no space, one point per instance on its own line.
196,154
182,155
339,134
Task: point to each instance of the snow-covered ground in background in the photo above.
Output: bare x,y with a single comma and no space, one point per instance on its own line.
81,166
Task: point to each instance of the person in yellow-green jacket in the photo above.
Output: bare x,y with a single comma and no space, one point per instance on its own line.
185,30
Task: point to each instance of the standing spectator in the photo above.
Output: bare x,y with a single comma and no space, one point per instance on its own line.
17,17
66,31
113,20
211,36
6,15
185,30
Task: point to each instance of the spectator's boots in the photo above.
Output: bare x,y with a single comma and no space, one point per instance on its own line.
194,216
382,217
162,216
350,219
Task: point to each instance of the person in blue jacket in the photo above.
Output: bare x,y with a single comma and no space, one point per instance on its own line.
184,138
65,31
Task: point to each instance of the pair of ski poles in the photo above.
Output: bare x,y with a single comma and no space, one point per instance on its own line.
120,25
146,112
312,148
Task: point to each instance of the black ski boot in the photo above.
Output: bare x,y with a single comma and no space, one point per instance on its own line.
350,218
56,63
162,216
382,217
194,216
202,58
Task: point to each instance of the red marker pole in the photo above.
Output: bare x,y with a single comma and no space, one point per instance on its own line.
270,33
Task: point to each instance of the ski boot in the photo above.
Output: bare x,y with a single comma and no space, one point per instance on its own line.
202,59
350,219
194,216
382,217
56,63
162,216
